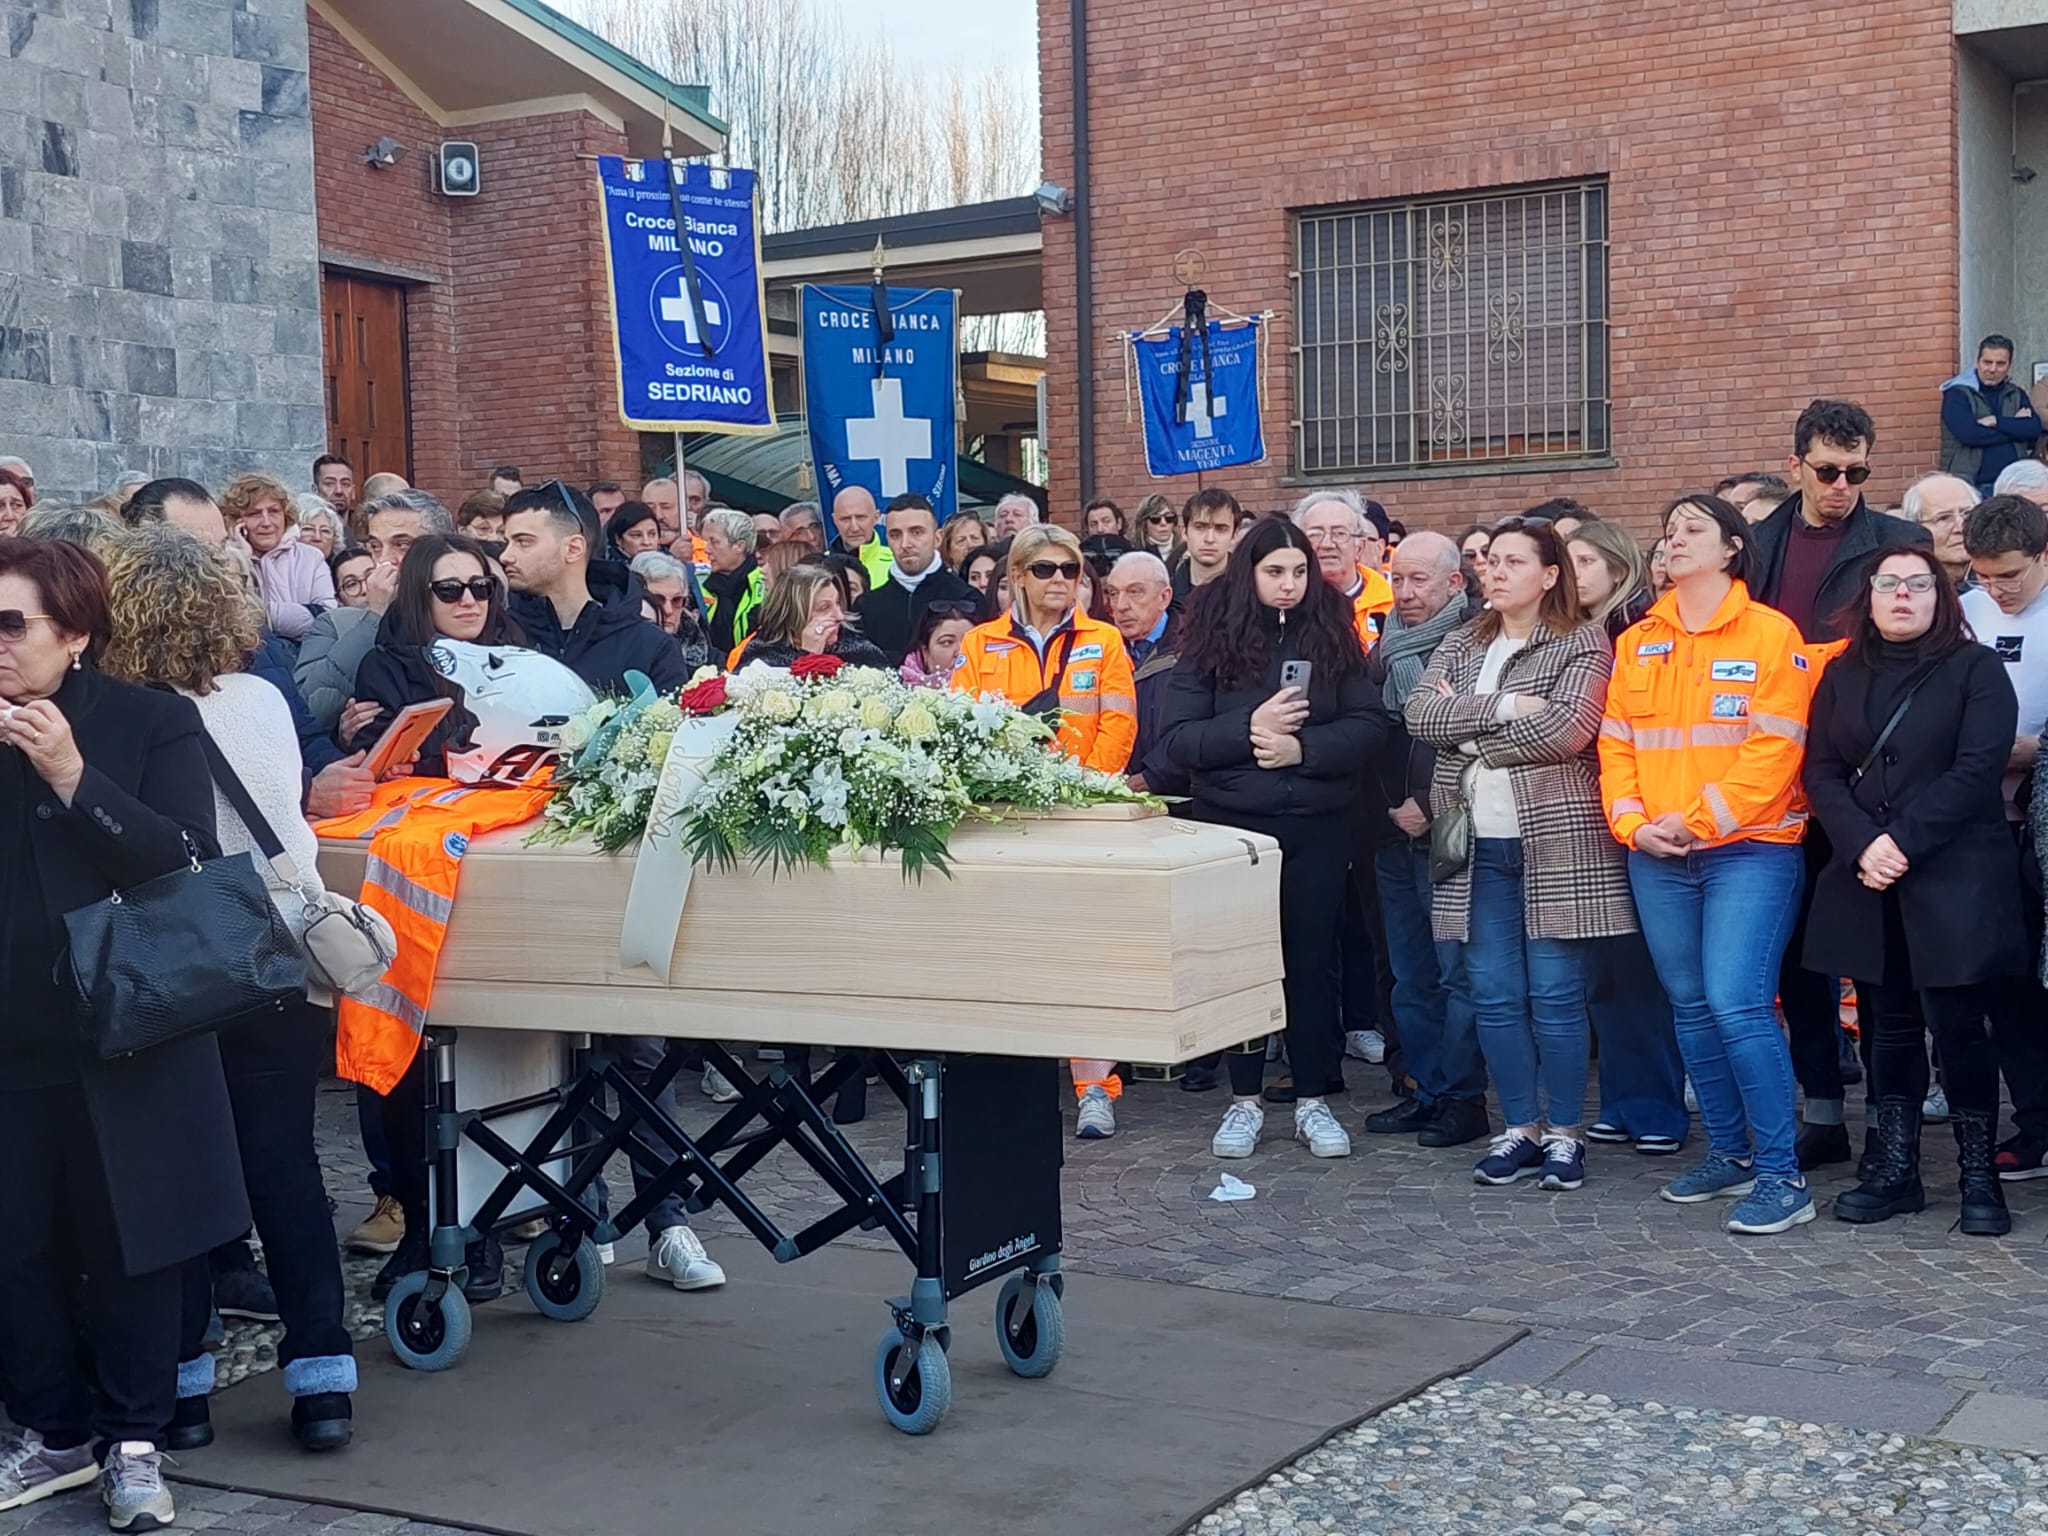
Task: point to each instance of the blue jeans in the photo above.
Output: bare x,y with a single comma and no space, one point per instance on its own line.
1717,921
1527,995
1433,1017
1642,1076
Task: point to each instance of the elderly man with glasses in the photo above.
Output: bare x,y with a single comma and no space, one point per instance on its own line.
1941,503
1349,548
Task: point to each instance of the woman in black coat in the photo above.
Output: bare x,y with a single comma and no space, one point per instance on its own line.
1286,761
1921,900
113,1171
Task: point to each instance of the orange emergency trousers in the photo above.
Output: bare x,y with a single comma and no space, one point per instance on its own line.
1098,715
419,830
1711,724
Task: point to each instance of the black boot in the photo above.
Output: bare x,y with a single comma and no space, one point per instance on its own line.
484,1270
323,1421
1984,1212
1818,1145
1867,1164
1893,1185
409,1257
191,1425
850,1104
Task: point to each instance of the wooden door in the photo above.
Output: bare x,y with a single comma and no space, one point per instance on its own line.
369,405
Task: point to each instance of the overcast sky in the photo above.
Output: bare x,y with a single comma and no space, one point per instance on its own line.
935,34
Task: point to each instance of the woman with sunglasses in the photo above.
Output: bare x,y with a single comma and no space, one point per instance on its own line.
445,592
1048,657
1282,758
1921,900
117,1172
1700,752
1159,530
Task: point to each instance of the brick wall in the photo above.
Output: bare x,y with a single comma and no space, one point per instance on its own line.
508,323
159,306
1780,229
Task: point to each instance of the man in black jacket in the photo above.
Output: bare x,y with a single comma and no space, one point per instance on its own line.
585,616
911,582
1809,556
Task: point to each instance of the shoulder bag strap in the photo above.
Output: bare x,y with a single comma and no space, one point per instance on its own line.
1885,735
230,785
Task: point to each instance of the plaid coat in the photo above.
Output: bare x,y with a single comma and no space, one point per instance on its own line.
1575,875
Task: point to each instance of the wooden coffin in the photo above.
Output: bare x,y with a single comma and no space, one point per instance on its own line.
1107,932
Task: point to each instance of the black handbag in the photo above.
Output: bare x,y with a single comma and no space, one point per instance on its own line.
1450,835
190,951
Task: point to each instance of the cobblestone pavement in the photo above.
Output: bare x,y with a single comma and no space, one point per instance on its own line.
1519,1462
1885,1335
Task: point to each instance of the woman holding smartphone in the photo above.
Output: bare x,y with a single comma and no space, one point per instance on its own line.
1271,715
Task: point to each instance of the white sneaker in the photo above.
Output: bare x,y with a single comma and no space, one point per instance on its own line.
607,1255
1692,1100
1314,1124
1935,1110
679,1258
1096,1118
1366,1045
30,1470
1238,1136
716,1088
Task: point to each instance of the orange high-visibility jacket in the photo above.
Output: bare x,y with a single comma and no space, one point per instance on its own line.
1370,608
1098,699
419,829
1711,725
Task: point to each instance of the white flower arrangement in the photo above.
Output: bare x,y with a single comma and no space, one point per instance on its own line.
820,759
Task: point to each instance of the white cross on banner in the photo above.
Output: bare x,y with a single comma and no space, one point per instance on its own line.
677,309
890,438
1204,412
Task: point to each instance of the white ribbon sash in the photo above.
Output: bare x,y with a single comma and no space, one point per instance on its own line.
661,874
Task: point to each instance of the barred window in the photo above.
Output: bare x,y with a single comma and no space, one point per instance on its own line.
1447,331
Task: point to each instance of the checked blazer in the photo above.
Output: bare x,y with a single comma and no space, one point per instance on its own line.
1575,876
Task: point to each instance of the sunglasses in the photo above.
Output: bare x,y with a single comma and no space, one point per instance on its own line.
450,592
14,623
1161,519
1887,583
953,610
1045,570
1828,474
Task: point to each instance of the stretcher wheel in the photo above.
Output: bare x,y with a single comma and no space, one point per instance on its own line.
565,1287
927,1392
426,1336
1031,1338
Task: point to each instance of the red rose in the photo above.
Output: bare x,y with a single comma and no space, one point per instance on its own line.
702,698
815,666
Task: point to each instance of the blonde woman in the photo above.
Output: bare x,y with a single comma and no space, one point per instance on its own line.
263,516
183,618
805,615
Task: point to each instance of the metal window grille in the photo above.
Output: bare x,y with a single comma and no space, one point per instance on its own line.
1448,331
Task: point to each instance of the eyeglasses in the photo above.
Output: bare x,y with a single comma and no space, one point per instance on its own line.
1988,583
1045,570
1828,474
353,586
450,592
1945,520
14,623
1331,535
1917,585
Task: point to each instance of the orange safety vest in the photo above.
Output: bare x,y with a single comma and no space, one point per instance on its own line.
1711,725
1098,698
419,830
1369,609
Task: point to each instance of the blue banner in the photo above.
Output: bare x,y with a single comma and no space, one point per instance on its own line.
881,406
687,363
1214,422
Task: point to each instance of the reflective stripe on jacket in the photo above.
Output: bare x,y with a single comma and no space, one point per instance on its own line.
1369,609
1711,725
419,830
1098,698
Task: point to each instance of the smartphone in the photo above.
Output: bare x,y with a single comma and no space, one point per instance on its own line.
402,740
1295,674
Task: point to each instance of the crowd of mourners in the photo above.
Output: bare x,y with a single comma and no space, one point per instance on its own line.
1748,818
